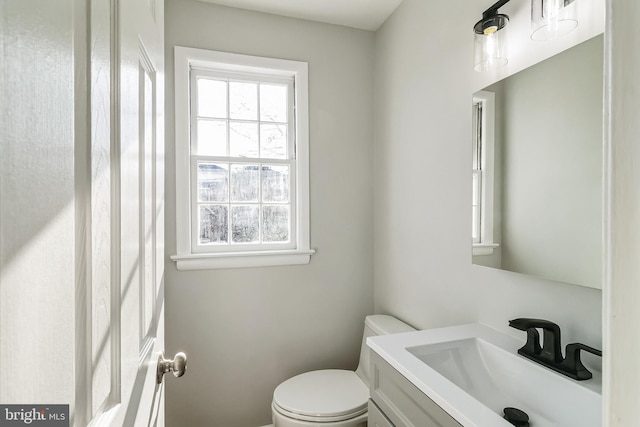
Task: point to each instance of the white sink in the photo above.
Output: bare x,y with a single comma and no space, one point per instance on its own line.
473,372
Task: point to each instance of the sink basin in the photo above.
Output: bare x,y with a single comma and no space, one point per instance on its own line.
473,372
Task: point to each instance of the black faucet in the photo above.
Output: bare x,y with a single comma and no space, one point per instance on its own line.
549,354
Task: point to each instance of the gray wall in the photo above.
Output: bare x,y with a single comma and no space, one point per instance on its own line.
552,167
247,330
423,273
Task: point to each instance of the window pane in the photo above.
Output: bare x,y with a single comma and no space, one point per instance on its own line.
244,224
475,233
243,100
273,141
212,137
213,182
213,224
275,223
275,183
243,139
273,103
475,197
244,183
212,98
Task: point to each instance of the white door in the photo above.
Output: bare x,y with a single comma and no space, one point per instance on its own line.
137,340
82,208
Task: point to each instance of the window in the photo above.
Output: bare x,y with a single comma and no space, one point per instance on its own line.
242,163
483,173
476,173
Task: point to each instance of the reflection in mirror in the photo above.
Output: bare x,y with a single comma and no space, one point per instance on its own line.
537,178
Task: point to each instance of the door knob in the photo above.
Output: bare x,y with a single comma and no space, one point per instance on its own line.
178,366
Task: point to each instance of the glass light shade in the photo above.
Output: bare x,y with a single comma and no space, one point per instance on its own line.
551,19
490,50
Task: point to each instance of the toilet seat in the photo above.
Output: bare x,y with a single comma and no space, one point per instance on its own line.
322,396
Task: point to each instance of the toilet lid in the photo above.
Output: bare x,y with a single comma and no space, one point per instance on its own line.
327,393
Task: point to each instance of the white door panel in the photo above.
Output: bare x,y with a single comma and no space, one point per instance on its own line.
127,217
82,207
141,198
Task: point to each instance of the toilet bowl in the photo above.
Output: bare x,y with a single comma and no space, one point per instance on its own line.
332,397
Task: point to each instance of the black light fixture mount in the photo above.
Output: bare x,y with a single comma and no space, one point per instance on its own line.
492,21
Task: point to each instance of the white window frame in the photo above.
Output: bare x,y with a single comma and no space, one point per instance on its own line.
189,256
485,245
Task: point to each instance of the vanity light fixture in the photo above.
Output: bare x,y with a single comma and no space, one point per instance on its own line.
550,19
490,39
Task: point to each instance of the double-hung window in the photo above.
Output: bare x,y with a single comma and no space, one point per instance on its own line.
477,170
242,167
483,173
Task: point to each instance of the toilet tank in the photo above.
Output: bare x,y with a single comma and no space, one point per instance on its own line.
377,324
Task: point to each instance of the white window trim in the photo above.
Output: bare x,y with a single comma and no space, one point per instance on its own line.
187,58
486,245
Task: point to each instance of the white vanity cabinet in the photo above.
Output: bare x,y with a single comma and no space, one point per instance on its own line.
376,418
395,402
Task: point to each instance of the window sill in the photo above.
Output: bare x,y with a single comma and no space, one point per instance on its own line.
213,261
484,248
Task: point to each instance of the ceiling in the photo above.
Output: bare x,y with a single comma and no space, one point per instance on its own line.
363,14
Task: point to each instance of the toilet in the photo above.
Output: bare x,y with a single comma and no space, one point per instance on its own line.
332,397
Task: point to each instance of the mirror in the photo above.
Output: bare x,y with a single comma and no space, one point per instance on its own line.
537,178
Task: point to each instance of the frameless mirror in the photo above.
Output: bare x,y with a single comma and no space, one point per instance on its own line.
537,169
